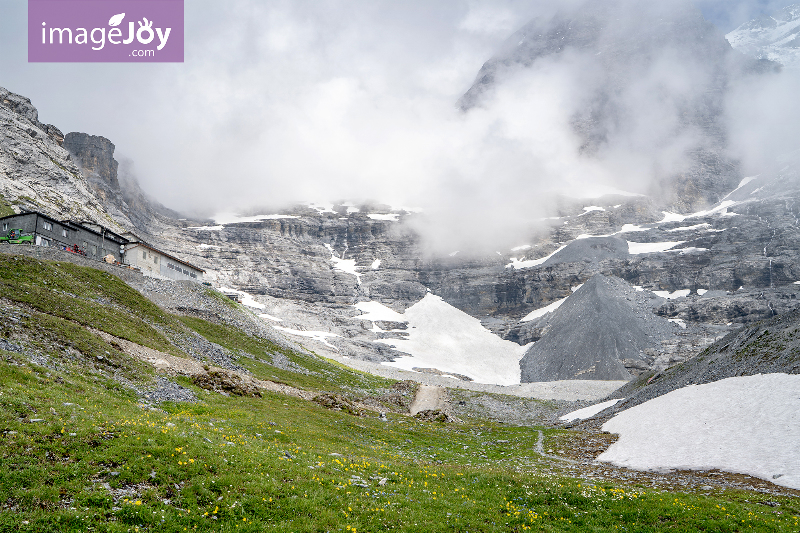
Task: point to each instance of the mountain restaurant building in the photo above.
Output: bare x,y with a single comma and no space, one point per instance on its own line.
62,234
96,242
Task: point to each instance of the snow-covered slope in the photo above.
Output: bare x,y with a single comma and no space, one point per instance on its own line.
446,339
749,425
776,37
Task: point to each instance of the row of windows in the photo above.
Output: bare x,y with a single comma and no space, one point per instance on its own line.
181,270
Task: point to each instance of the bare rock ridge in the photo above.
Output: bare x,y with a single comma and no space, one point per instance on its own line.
37,172
23,107
599,332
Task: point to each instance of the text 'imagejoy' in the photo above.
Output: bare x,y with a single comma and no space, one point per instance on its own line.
105,31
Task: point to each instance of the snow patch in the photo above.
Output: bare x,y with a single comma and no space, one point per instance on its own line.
702,291
207,246
518,263
270,317
671,217
206,228
548,308
321,208
678,321
543,310
320,336
636,248
721,208
589,209
588,412
627,228
742,183
748,425
344,265
682,293
246,298
443,337
391,217
377,311
521,248
375,264
230,218
689,228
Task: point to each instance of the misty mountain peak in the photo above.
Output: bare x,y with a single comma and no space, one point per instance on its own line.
775,37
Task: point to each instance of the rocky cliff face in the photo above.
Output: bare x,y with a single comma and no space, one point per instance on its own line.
95,156
708,269
36,172
114,184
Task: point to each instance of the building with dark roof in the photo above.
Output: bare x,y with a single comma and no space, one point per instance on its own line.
100,243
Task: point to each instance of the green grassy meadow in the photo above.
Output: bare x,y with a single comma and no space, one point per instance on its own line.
79,451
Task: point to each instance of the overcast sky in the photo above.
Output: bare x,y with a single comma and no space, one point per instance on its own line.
312,100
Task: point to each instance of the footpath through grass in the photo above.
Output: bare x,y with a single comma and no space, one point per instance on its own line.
80,454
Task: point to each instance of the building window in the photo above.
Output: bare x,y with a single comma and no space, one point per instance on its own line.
5,226
45,242
144,254
94,249
63,233
155,259
48,226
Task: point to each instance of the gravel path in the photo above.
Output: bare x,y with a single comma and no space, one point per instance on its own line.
429,398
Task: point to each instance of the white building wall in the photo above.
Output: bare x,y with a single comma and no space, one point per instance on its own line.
151,261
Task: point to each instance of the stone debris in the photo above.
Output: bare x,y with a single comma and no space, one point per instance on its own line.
337,402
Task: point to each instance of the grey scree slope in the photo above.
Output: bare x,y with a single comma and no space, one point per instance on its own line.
602,324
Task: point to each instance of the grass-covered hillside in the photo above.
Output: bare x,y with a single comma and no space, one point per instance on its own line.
84,449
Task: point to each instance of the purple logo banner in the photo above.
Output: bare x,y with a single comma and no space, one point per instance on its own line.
109,31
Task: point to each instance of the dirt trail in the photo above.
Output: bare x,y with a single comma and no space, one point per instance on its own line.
429,397
171,364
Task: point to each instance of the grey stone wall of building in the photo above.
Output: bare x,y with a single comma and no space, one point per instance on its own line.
25,222
59,235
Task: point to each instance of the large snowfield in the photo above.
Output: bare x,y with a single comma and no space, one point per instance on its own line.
445,338
748,425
